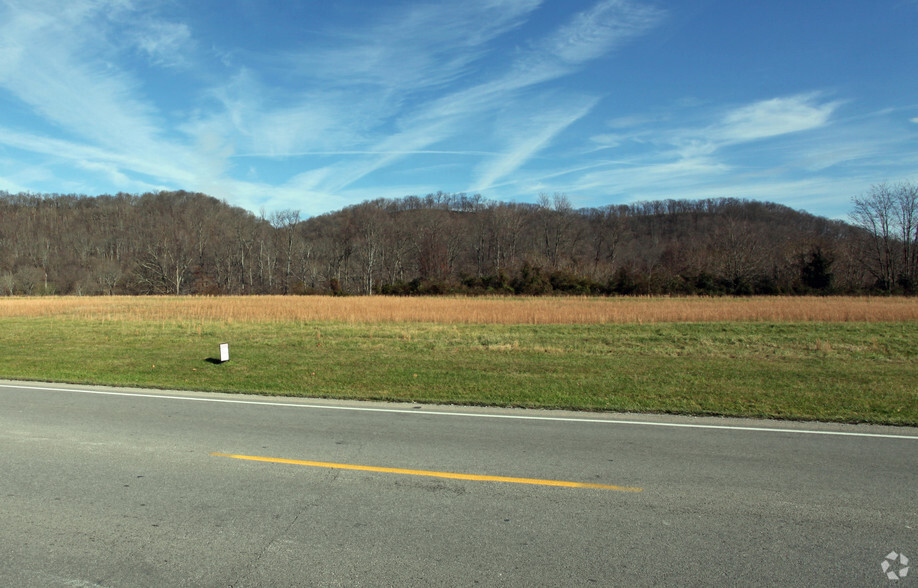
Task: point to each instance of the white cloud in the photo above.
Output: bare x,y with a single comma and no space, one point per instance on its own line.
606,141
105,123
588,35
526,137
271,122
793,150
368,78
415,44
376,93
13,178
389,150
180,168
62,82
597,31
112,172
777,116
625,122
165,43
414,48
730,129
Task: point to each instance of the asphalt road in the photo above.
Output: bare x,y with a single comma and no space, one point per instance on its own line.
133,488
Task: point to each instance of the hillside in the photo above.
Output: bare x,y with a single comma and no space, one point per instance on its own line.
190,243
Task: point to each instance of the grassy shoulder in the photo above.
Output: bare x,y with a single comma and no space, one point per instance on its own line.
848,372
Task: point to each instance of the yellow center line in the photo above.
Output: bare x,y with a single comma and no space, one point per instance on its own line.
450,475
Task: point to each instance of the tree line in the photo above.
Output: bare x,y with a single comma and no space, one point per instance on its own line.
190,243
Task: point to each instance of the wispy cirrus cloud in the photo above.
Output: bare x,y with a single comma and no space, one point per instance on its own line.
411,48
422,124
773,117
527,136
61,82
782,149
404,84
356,98
165,43
82,154
586,36
600,29
736,127
95,113
373,104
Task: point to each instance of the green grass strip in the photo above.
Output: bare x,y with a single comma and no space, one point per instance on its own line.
846,372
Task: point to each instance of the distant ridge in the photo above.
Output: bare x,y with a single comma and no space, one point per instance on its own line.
191,243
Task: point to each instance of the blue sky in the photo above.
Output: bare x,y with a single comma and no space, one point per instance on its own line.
314,105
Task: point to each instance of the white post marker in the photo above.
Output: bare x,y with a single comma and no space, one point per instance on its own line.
224,352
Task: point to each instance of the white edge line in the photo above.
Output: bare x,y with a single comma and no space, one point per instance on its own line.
467,414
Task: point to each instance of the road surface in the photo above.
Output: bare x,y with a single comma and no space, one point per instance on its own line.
106,487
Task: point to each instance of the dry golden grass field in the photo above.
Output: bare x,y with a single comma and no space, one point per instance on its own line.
461,310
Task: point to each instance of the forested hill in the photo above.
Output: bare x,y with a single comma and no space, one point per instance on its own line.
188,243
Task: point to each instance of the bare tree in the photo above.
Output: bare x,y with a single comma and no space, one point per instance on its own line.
906,218
28,279
608,227
889,214
370,220
505,222
556,219
286,222
171,246
7,284
737,252
181,242
108,274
